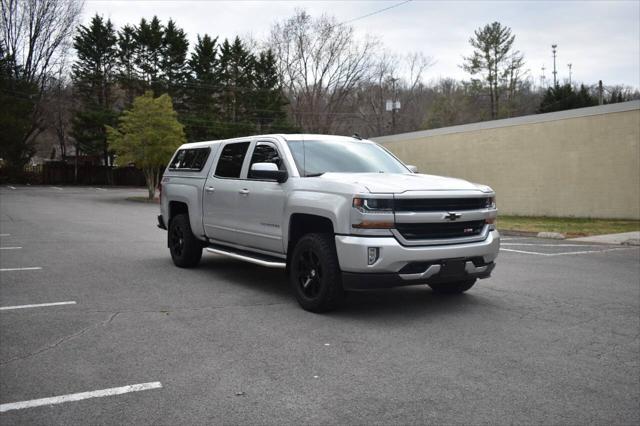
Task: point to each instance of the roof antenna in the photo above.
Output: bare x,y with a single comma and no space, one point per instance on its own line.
357,136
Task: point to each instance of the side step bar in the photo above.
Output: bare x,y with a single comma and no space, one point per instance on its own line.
258,259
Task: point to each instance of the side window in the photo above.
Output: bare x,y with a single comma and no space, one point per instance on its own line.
231,158
266,152
192,159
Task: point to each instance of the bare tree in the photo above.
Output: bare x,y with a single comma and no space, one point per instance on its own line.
58,109
34,39
392,78
36,35
321,64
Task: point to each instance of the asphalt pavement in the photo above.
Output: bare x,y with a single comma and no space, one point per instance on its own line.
125,337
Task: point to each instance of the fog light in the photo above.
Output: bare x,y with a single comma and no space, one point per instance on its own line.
372,255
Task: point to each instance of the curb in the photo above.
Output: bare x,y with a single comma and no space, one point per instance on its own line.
551,235
631,242
509,233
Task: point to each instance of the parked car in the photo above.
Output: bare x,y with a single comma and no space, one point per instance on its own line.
337,213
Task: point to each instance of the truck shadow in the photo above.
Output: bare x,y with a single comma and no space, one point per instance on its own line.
410,301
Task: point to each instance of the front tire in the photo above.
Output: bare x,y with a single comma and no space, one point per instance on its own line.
314,273
456,287
185,248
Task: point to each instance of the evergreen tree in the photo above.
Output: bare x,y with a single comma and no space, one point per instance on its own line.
236,77
495,60
148,57
565,97
93,75
17,97
127,75
174,61
268,106
202,89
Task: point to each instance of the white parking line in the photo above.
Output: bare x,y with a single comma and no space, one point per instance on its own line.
566,253
550,245
10,248
31,268
524,252
12,187
39,305
5,235
100,189
57,187
79,396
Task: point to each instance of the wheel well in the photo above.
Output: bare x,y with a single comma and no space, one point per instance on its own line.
301,224
176,208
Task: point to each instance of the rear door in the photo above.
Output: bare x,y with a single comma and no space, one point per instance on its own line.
222,191
260,208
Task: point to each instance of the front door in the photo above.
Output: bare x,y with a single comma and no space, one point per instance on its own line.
222,191
261,203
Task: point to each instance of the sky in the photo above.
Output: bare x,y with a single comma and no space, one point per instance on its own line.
601,39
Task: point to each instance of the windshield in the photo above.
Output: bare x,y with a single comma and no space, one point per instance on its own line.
314,157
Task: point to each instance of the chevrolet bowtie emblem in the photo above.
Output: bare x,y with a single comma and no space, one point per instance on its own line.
452,216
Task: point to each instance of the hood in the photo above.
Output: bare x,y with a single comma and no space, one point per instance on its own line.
398,183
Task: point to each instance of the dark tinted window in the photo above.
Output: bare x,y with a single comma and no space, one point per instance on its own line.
231,158
266,152
190,159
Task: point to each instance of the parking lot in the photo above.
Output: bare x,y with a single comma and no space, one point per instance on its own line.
126,337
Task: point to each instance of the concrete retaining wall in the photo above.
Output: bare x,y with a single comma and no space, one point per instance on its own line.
582,163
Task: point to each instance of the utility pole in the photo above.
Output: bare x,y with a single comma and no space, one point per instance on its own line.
569,65
543,79
600,93
393,105
555,78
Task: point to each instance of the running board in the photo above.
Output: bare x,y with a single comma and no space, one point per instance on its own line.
258,259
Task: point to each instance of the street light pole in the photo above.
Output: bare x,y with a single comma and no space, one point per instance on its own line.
569,65
555,79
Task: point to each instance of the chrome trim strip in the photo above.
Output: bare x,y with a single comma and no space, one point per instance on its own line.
261,262
481,237
440,217
240,231
431,271
246,248
448,193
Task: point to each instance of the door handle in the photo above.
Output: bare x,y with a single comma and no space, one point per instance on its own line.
210,189
244,191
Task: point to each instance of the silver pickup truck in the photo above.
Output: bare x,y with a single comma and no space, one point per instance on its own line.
337,213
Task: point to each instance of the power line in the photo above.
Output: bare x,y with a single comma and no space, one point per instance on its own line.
374,13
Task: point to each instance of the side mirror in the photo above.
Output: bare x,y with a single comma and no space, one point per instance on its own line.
268,171
414,169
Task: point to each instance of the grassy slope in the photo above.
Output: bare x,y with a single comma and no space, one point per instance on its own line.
568,226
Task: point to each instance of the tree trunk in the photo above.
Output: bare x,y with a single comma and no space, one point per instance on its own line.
75,166
150,176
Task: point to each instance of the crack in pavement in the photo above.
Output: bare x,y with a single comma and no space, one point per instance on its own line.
61,340
110,319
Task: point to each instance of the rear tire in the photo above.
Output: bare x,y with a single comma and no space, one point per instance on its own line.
314,273
456,287
185,248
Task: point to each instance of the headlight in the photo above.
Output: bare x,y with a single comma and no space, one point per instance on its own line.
373,205
372,213
491,203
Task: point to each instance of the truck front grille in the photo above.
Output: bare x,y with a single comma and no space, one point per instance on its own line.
440,204
434,231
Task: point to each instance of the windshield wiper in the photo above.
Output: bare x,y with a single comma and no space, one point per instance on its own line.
314,174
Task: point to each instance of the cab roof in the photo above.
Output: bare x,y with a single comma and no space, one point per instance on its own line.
288,137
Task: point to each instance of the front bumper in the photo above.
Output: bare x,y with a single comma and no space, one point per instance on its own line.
407,265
